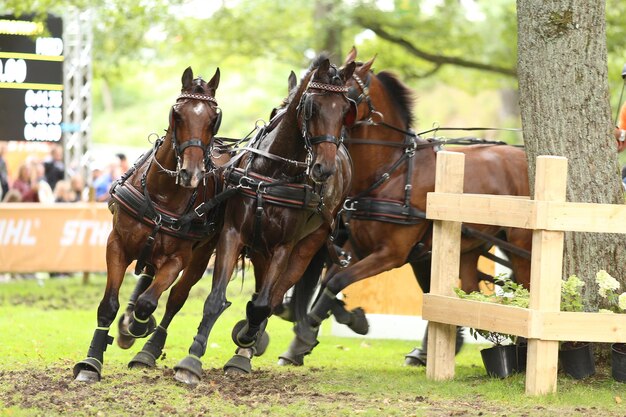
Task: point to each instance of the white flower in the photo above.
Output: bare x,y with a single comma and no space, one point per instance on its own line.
621,301
606,283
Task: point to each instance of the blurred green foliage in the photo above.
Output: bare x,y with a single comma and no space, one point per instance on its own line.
141,48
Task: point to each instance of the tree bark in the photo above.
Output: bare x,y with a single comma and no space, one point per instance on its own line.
564,100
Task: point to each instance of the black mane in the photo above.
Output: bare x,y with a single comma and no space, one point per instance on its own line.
402,95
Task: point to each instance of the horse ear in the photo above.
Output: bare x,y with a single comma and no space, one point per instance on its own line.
365,68
187,78
347,71
215,81
351,56
292,81
323,68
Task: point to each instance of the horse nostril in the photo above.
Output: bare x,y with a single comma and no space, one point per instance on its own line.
320,173
184,176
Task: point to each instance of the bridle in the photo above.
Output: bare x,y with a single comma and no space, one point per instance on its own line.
358,97
305,108
178,147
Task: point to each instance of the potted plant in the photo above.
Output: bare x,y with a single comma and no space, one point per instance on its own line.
576,357
614,302
502,359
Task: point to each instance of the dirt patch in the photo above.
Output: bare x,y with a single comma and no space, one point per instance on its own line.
52,391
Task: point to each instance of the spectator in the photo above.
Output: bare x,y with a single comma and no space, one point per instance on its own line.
44,191
123,167
54,166
103,178
63,192
81,193
24,183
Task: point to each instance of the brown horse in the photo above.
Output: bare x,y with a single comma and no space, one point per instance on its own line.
292,180
160,215
394,170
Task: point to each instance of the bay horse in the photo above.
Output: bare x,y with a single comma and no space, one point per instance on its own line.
292,180
394,169
164,217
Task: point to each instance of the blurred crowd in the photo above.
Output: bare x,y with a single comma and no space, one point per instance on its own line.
46,179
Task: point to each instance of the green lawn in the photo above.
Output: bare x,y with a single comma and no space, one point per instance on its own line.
45,329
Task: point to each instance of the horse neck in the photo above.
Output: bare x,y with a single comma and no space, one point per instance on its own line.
285,141
162,187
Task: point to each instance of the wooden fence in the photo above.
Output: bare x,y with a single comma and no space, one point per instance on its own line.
543,324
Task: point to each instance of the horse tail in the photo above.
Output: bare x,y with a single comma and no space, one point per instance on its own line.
304,289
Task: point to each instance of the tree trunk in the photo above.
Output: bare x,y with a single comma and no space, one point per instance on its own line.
328,29
564,99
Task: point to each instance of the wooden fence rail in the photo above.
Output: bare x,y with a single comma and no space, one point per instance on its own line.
543,324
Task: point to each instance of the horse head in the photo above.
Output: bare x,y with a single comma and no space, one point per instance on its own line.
322,112
194,121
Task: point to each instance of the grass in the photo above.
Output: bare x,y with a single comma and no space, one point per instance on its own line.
46,328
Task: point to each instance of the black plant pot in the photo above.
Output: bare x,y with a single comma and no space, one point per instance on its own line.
577,359
522,355
618,361
500,361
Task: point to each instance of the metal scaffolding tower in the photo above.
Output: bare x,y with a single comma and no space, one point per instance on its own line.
77,112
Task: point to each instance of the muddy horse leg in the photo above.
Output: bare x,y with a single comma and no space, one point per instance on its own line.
189,369
142,322
178,295
90,369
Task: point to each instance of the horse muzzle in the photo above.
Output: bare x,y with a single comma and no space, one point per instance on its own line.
320,173
190,179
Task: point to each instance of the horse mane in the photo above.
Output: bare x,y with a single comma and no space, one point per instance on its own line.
199,86
400,94
621,123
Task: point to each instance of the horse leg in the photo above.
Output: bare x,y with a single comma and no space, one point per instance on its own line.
142,322
189,369
469,282
250,332
90,369
178,296
124,339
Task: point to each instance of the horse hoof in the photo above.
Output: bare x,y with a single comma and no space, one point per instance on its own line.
415,358
142,360
238,364
188,370
261,344
186,377
358,323
286,360
239,329
90,368
87,376
124,339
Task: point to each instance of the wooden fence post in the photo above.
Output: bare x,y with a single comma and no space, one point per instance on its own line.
445,267
546,274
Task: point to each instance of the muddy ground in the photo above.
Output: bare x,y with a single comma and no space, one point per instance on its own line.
51,392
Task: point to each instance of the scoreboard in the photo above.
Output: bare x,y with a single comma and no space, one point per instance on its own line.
31,79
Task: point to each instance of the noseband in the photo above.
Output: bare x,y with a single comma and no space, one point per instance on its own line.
197,142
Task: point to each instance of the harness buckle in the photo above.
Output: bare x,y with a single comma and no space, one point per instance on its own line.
348,205
241,182
346,260
157,219
198,210
261,188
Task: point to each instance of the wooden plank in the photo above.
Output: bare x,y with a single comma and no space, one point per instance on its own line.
545,274
541,367
481,209
586,217
445,267
582,327
478,315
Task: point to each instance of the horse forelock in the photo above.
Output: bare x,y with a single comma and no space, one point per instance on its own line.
401,95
